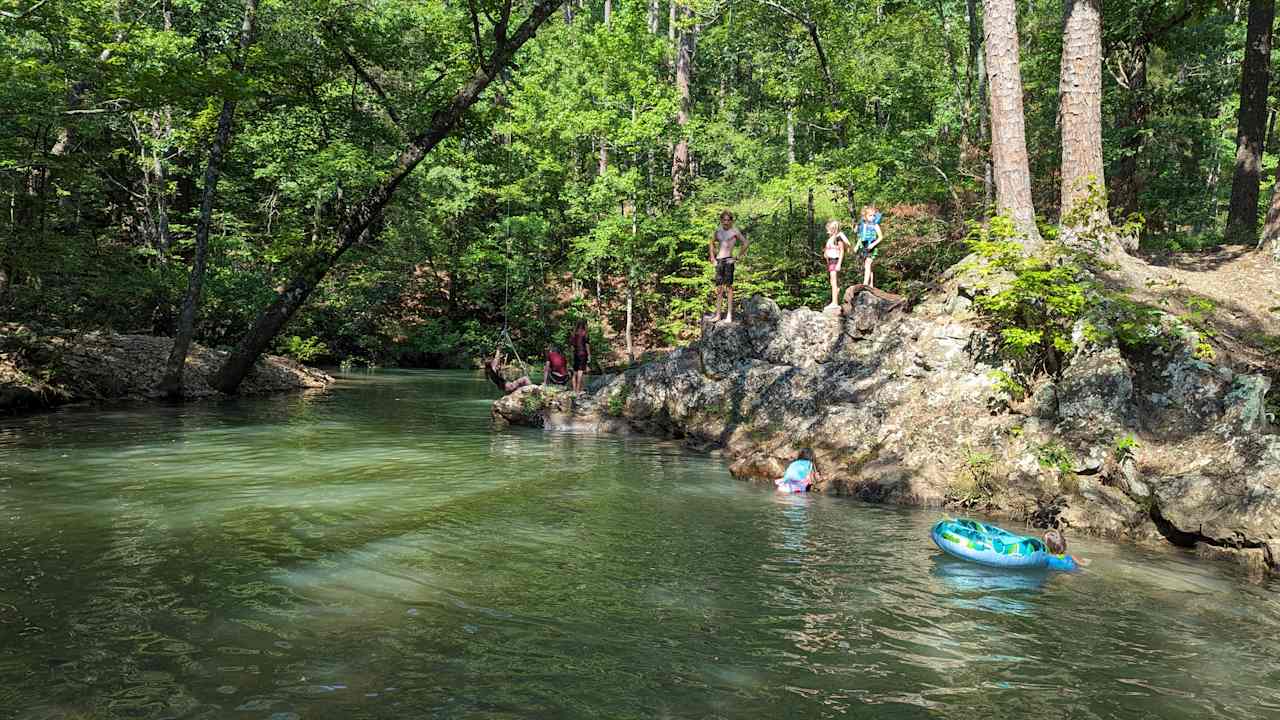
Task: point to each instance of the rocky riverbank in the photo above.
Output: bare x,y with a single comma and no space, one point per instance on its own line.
42,368
906,405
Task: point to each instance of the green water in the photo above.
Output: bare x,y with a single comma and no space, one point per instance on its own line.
376,551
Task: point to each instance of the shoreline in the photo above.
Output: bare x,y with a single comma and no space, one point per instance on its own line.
901,407
43,369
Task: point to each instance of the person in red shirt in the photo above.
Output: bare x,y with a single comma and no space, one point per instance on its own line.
557,370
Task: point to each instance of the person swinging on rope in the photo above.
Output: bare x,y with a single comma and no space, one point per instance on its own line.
493,368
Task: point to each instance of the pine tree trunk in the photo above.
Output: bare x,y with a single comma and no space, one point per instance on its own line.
684,73
1080,108
984,133
1008,129
1242,215
171,382
358,224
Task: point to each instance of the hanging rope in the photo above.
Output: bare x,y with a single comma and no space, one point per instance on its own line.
505,337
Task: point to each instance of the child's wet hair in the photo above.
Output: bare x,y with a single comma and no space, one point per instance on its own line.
1055,542
833,226
726,214
805,454
868,210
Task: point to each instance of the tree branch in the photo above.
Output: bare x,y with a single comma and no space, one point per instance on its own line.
812,28
475,32
500,27
789,13
24,13
387,105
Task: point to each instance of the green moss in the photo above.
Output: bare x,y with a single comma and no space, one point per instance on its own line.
977,479
1124,447
1008,385
533,403
1054,455
617,402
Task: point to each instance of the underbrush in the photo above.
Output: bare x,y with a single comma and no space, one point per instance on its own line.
1046,305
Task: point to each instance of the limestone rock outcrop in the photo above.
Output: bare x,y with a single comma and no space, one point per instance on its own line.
904,405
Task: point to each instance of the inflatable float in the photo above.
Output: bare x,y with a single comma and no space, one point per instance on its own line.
992,545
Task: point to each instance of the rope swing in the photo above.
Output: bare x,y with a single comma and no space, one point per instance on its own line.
505,337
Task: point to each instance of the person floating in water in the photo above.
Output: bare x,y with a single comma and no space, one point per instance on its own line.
1056,543
557,370
723,243
800,476
493,370
581,353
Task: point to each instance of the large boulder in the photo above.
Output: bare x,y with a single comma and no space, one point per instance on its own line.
724,345
1094,396
1236,512
866,308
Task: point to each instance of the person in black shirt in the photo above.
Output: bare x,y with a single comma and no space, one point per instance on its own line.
581,353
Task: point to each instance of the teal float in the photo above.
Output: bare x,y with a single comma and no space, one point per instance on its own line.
993,545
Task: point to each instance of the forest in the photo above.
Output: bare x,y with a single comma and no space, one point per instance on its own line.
394,183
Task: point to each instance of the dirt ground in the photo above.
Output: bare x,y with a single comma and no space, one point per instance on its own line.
1235,288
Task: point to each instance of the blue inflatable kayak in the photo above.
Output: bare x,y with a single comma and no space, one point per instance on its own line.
993,545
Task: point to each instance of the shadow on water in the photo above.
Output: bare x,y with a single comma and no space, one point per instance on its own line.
975,586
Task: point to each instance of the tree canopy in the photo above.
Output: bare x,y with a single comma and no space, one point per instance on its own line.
555,196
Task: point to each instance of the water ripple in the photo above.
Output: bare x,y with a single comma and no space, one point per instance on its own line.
375,551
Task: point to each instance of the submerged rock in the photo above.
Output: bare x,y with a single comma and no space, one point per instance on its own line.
904,405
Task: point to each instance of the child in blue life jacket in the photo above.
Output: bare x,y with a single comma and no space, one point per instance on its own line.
1056,544
869,237
800,476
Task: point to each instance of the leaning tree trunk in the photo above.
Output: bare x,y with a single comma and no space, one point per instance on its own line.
1080,113
684,73
1242,216
358,224
171,382
1008,128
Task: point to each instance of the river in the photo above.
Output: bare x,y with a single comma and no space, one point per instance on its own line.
375,550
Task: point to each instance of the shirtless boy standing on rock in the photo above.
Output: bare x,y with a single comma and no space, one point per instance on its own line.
723,243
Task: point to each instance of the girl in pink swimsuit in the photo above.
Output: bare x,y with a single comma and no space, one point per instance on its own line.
834,255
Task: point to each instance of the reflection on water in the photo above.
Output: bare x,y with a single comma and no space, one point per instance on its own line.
375,551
